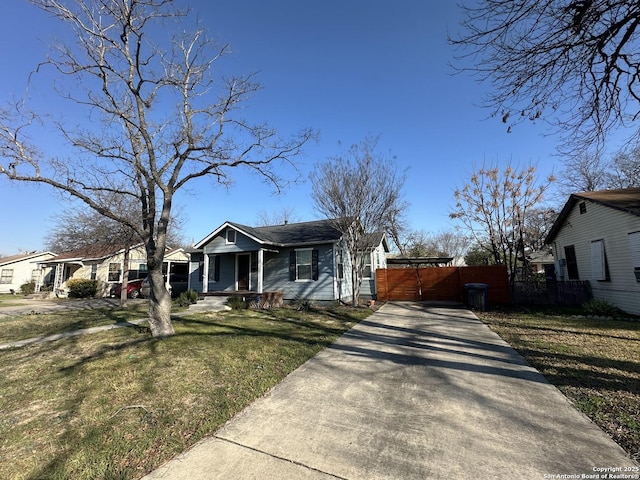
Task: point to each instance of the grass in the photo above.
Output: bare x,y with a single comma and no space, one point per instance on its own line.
594,362
19,327
118,404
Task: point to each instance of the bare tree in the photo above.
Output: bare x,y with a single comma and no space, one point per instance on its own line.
362,192
624,171
154,121
280,217
496,206
591,172
572,62
584,173
441,244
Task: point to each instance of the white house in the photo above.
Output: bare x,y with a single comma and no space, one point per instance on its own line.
17,270
105,263
596,237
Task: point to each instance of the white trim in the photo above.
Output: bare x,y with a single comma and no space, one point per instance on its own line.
260,270
205,274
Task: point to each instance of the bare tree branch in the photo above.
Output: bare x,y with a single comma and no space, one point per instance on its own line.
155,118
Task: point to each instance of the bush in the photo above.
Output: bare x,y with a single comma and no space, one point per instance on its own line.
600,308
187,298
237,302
302,304
28,288
82,288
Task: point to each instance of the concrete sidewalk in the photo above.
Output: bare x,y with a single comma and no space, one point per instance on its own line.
413,392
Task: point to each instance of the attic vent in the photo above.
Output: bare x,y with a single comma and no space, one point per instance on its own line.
231,235
583,208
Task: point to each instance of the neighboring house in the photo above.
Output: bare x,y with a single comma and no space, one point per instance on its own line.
304,260
17,270
597,238
541,261
105,263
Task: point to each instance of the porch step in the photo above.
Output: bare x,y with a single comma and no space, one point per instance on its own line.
210,304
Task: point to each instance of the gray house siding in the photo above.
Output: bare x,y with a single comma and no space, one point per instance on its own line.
599,223
195,271
276,268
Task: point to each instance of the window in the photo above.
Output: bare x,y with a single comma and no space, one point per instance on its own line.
365,263
214,268
303,265
634,246
583,208
94,271
6,275
231,235
340,266
114,272
572,262
599,266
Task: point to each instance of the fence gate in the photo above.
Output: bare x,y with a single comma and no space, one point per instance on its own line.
441,283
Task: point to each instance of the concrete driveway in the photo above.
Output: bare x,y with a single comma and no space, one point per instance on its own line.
413,392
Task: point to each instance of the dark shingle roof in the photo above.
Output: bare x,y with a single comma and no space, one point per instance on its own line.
320,231
625,199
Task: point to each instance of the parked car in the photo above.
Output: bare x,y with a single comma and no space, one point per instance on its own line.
175,287
133,289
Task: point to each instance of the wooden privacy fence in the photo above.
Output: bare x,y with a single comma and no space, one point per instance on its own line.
441,283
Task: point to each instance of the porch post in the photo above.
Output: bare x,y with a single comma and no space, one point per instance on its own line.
260,270
205,274
168,282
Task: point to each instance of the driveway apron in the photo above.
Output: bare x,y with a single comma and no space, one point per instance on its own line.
415,391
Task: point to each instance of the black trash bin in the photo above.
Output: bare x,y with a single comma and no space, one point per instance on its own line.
477,296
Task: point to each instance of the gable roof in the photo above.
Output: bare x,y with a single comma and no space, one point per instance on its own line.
23,256
291,234
369,241
625,199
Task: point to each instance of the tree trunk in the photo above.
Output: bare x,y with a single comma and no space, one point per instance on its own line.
125,277
159,305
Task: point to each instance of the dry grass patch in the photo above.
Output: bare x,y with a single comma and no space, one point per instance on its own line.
594,362
20,327
118,404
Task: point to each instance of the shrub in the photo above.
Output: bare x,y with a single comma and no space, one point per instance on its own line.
302,304
28,288
600,308
82,288
237,302
187,298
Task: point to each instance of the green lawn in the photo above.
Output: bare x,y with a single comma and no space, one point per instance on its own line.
594,362
118,404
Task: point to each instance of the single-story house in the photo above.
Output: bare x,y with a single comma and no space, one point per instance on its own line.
305,260
17,270
105,263
596,237
540,261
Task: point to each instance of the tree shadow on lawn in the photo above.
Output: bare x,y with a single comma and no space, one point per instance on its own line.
568,370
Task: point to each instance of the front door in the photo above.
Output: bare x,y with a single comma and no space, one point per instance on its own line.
244,265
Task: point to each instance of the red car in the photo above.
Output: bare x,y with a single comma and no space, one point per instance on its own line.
133,289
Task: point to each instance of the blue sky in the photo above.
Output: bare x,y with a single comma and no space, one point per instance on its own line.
346,69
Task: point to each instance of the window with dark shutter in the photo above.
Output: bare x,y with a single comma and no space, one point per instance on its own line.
314,264
292,265
216,273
